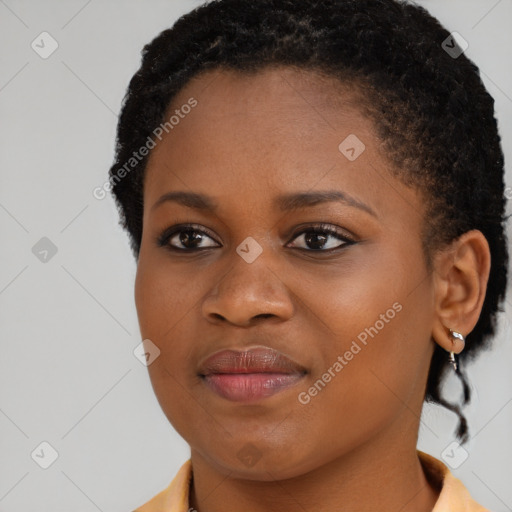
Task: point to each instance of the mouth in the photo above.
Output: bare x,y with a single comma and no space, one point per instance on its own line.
248,376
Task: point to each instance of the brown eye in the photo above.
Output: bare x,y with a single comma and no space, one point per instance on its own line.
322,238
185,238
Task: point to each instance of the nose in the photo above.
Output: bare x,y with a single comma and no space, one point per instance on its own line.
248,293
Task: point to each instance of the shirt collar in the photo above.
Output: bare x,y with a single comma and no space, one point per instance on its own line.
453,495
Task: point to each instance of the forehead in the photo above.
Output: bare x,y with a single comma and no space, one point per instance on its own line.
287,84
259,134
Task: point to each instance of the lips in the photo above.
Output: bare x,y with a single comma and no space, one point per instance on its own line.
257,360
246,376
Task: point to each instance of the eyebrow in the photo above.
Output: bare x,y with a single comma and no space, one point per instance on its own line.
285,202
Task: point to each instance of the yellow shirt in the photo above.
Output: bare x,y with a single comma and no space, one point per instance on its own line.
454,497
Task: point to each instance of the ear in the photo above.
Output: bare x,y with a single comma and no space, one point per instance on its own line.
461,273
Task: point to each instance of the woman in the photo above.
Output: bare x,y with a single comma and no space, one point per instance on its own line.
314,194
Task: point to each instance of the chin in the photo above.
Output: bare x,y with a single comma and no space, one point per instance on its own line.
259,462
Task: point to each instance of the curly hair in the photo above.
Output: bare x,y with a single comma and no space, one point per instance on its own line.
429,107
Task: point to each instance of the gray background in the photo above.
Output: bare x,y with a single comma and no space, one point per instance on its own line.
68,375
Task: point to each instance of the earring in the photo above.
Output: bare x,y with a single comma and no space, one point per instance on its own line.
456,336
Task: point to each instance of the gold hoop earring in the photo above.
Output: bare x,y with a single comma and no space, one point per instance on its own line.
457,336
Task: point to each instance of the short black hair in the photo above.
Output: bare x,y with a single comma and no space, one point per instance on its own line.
428,105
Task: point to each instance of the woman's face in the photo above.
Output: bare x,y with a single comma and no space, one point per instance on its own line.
351,309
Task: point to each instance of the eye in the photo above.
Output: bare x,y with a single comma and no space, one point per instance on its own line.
191,237
187,237
317,238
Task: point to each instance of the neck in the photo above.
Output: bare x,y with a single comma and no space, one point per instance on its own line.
371,477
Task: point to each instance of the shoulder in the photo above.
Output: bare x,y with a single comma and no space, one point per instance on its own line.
175,497
453,494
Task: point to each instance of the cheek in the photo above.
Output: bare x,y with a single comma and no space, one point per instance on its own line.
380,295
163,298
355,298
163,302
378,324
353,399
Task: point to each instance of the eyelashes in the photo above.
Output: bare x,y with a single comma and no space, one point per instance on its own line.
194,235
319,233
190,229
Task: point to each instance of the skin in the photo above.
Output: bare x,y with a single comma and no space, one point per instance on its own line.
353,446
